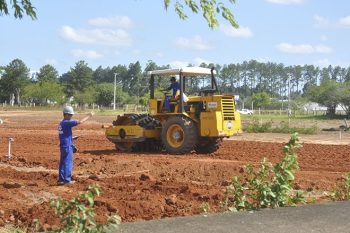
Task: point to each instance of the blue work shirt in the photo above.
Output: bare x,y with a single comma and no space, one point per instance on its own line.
65,132
175,86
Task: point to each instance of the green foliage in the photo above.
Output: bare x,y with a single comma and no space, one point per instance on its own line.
269,186
261,99
209,8
205,207
342,191
42,93
256,127
78,79
105,94
14,79
269,81
78,214
88,96
345,97
47,73
19,7
327,94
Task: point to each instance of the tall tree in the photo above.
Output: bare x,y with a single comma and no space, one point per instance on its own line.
159,82
79,78
132,83
325,74
47,73
14,79
327,94
345,97
102,75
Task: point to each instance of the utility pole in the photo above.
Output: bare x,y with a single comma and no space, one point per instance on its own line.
289,110
138,91
115,87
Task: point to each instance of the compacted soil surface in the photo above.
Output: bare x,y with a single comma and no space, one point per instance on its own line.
142,186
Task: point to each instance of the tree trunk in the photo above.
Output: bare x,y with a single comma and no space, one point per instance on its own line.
331,111
18,92
12,99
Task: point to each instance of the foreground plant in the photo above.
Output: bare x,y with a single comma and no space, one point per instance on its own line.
269,186
78,214
342,191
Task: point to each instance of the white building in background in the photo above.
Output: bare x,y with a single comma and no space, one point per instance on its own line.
312,106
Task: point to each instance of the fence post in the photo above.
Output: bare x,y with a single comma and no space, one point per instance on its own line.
10,142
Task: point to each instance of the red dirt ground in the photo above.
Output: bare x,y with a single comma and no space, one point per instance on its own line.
142,186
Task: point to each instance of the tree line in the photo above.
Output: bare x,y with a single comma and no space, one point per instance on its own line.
267,85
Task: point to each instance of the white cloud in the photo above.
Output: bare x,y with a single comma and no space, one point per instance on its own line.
344,22
303,48
195,43
88,54
241,32
117,37
321,21
286,2
111,22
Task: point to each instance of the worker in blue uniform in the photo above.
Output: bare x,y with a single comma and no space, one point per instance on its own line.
175,87
66,145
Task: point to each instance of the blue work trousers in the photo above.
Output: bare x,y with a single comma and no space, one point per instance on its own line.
66,164
167,103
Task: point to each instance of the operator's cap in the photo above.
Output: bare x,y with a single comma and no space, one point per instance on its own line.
172,79
68,110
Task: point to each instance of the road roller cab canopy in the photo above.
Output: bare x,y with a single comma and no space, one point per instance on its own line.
183,73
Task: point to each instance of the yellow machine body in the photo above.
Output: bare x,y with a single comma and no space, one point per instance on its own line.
132,133
199,123
218,118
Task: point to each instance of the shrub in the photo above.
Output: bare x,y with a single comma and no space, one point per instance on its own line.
342,191
269,186
284,127
78,214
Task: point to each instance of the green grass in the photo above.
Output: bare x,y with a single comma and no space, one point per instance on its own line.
285,117
282,127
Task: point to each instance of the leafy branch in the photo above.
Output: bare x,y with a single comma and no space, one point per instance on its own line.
20,7
209,8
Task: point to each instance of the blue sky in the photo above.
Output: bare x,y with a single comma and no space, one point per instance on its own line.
112,32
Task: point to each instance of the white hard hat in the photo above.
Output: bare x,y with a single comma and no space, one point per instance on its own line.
68,110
